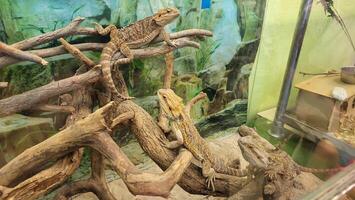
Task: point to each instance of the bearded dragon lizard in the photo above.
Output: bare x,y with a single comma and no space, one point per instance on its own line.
278,168
254,149
133,36
172,110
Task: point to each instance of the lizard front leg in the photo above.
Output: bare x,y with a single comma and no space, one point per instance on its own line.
126,51
179,139
209,173
163,122
166,38
103,31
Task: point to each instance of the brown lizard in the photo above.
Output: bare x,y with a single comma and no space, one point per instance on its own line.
172,110
277,167
253,150
132,36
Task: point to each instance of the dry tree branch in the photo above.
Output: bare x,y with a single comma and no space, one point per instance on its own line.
94,135
96,183
86,133
54,51
194,100
54,108
56,174
77,53
155,51
121,118
49,52
44,181
21,55
71,29
71,138
169,60
27,99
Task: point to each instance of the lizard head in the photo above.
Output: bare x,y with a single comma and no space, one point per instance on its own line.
165,16
170,103
252,152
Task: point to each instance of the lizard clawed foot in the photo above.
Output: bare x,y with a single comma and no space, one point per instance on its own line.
96,25
127,98
172,43
162,142
211,178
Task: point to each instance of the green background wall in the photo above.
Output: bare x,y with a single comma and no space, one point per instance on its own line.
325,47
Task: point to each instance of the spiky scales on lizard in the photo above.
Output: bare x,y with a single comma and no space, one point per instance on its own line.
130,37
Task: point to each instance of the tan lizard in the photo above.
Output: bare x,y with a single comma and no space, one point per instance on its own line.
172,110
133,36
276,166
255,151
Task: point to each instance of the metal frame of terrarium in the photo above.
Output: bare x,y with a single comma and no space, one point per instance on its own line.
344,179
281,115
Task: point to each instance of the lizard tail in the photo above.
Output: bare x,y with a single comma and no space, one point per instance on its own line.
105,62
314,170
232,171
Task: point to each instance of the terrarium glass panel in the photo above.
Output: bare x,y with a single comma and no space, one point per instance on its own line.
172,99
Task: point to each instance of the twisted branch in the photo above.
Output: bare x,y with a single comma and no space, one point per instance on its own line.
27,99
54,51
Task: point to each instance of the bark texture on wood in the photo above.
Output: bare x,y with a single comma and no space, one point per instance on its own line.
56,174
169,61
148,133
43,181
22,55
54,108
27,99
96,184
77,53
25,171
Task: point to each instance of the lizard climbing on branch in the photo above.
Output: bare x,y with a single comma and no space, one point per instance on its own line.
133,36
173,111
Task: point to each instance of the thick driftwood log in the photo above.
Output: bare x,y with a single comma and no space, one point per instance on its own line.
95,135
44,181
49,52
27,99
148,133
86,133
96,184
56,174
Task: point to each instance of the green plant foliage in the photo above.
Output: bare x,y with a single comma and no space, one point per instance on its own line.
140,79
84,169
203,55
24,78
